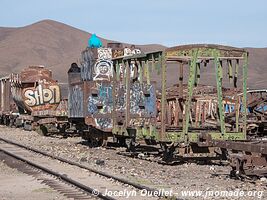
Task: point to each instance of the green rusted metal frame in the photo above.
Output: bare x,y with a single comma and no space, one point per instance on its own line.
162,135
117,67
147,66
245,75
197,77
194,136
219,76
236,97
230,70
128,85
236,72
143,64
153,62
193,55
114,84
191,82
140,70
208,52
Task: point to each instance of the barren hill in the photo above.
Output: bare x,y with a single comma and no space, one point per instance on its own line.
57,45
47,43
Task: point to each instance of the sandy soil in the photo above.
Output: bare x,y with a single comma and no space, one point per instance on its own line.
15,185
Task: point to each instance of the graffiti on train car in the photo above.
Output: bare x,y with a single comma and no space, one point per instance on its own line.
40,95
130,52
117,53
103,70
76,99
87,64
104,53
141,104
120,99
150,101
103,67
101,104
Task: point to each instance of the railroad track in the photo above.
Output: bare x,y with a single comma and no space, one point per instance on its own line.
70,178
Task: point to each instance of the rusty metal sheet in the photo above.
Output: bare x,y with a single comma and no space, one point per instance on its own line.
48,120
205,50
75,101
249,146
46,96
103,94
60,111
34,89
35,74
98,103
5,95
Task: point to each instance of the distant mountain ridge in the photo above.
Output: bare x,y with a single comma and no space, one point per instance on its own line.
56,45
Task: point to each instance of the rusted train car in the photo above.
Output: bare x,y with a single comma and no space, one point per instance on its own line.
33,99
182,130
8,108
111,94
108,99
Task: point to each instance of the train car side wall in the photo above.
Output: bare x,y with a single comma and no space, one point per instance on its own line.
5,95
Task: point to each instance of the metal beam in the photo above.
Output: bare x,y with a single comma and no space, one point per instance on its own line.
230,70
219,76
191,81
162,135
245,75
128,89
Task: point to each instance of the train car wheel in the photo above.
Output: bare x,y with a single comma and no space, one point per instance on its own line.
41,130
168,152
130,144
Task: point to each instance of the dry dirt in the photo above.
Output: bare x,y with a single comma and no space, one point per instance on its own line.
15,185
180,178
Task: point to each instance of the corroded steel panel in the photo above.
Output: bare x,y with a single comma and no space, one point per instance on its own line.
102,98
6,102
99,101
46,96
75,101
34,89
34,74
205,50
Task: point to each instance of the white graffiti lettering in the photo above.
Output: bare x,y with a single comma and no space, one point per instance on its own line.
129,52
40,95
104,53
103,70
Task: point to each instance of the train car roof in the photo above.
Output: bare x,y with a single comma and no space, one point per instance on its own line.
205,46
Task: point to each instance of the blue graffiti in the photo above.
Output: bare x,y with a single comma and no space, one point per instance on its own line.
150,102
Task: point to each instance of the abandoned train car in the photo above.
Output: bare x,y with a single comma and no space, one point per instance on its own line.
8,108
108,99
185,138
32,99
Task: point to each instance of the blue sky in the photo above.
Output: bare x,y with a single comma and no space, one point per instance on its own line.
241,23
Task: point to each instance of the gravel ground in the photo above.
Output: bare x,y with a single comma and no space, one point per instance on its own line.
203,181
15,185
